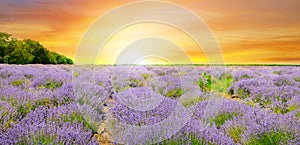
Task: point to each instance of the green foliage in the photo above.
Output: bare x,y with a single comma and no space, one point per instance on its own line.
77,117
277,72
191,101
235,133
17,83
28,76
284,110
243,93
146,76
270,138
27,51
279,110
265,103
50,84
38,138
220,119
74,117
297,79
10,100
76,74
135,83
298,115
245,77
222,84
175,93
43,102
189,139
24,83
25,109
206,83
201,84
6,119
292,108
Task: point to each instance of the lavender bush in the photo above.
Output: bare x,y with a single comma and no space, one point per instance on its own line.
62,105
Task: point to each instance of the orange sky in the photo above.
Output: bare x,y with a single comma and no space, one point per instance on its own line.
259,31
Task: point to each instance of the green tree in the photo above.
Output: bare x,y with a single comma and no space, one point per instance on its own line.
20,54
27,51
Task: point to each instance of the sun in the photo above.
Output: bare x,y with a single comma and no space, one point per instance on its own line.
133,33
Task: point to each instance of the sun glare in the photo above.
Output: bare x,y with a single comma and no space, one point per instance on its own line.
125,37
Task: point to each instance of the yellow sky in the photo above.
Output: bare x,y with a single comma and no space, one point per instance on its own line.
118,42
260,31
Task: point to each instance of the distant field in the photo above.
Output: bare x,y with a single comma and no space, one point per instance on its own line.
67,104
295,65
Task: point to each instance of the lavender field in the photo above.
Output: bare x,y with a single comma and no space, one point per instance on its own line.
63,104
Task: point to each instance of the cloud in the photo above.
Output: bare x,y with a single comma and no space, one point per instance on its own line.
248,31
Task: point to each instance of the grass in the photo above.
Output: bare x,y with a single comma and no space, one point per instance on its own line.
76,74
191,101
77,117
175,93
279,110
298,115
292,108
221,85
26,107
51,84
235,133
135,83
297,79
220,119
205,85
189,139
17,83
146,76
40,138
216,84
277,72
270,138
243,94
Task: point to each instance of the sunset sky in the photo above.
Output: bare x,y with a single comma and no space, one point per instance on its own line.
258,31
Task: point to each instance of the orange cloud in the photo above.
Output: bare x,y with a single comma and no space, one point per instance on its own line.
248,32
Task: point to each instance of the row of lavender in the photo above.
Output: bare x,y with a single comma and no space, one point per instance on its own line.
277,89
40,106
267,111
37,107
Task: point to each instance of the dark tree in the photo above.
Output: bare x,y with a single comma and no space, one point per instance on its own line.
27,51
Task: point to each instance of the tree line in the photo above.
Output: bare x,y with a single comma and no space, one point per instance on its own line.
27,51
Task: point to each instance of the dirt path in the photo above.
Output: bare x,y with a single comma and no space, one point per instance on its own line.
103,136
